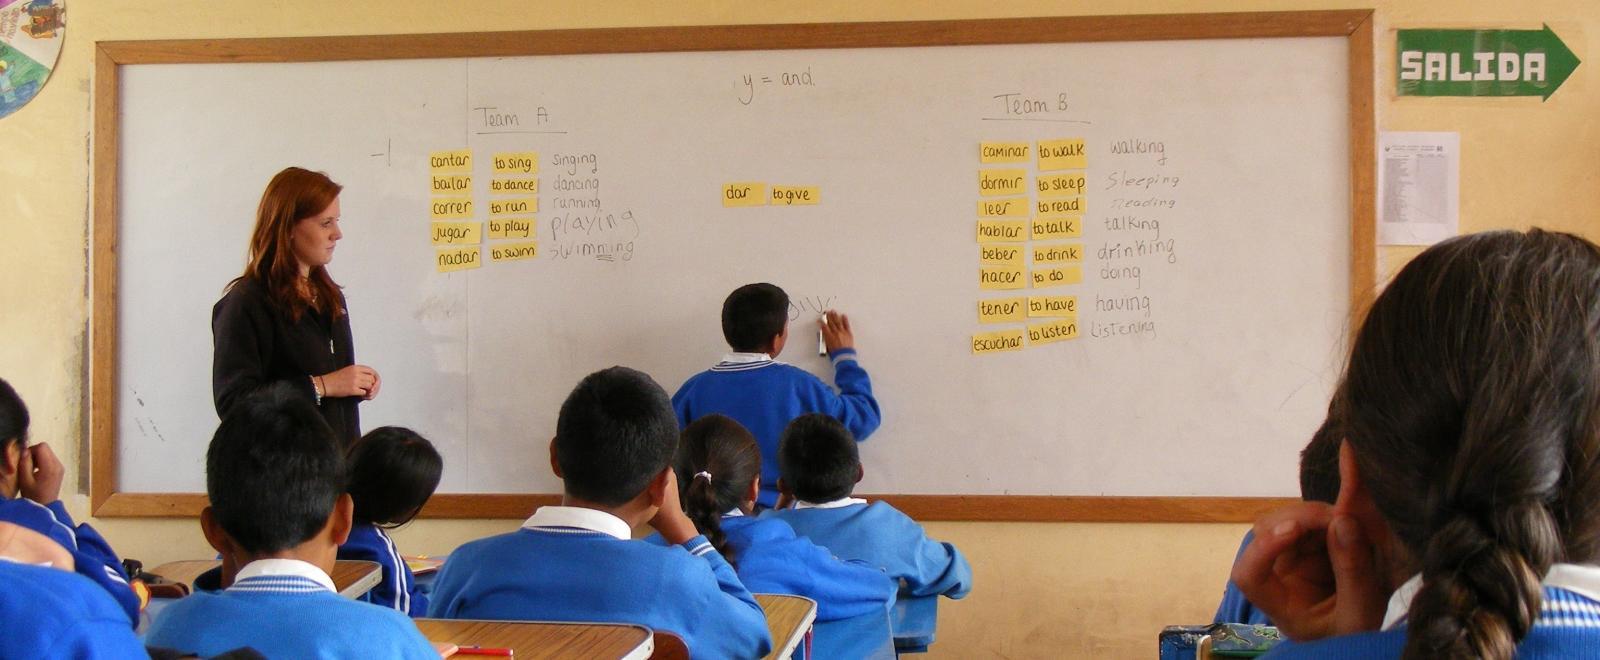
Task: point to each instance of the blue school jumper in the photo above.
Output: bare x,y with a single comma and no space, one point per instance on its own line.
569,564
1235,608
880,535
764,395
398,589
282,610
51,613
92,556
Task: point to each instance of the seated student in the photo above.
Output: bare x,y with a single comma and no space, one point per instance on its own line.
393,472
763,395
820,467
30,496
1319,482
278,513
53,613
1466,524
719,471
615,437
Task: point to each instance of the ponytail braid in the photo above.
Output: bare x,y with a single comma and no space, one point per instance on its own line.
717,459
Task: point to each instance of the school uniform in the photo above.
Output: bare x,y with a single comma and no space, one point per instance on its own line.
576,564
398,588
286,608
51,613
765,395
1235,608
93,558
1568,625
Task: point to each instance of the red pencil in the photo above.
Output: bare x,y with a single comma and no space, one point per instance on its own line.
483,650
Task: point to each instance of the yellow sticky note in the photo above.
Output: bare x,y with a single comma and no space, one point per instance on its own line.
1060,206
995,231
1004,152
454,259
1062,155
1003,208
1048,277
1057,306
1070,226
457,233
459,160
996,342
444,184
999,255
1001,278
744,194
1060,185
1057,253
513,162
993,183
514,251
1002,310
1053,331
511,228
509,185
499,208
795,195
450,208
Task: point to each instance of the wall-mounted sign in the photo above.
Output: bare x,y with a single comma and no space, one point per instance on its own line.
31,32
1482,62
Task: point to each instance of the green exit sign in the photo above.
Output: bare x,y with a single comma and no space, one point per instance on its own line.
1482,62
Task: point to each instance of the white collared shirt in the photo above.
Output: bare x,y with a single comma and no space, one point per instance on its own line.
1581,579
841,502
745,358
580,518
282,568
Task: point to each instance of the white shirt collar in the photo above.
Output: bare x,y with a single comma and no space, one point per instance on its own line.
581,518
733,513
842,502
1581,579
285,567
745,358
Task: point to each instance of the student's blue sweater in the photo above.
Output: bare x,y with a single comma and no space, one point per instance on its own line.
571,574
880,535
92,556
765,395
51,613
1568,627
286,617
1235,608
398,589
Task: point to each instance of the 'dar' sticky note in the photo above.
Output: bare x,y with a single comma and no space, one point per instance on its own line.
511,228
516,162
456,233
459,160
462,258
1000,208
999,255
998,182
447,184
744,193
1065,154
1052,306
796,196
450,208
1070,226
1060,185
504,185
1003,310
514,251
1049,277
499,208
996,342
1057,253
1000,278
1052,331
998,231
1004,152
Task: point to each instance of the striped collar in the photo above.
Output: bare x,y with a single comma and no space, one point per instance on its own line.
1580,579
282,576
743,362
559,518
836,504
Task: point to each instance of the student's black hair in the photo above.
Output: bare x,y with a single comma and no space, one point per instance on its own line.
753,314
818,459
615,433
393,472
723,449
274,471
13,416
1319,463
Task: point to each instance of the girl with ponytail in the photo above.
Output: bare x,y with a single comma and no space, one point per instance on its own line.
1468,520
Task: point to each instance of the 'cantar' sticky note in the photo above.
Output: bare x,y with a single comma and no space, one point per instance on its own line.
459,160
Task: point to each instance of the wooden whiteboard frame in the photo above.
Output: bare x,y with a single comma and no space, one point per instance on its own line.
1356,25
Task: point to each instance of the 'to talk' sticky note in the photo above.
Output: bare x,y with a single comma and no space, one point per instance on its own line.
457,233
747,193
445,184
1060,185
1057,253
516,162
1002,310
1004,152
996,342
450,208
795,195
1070,226
1049,277
511,228
499,208
1002,231
997,182
1065,154
514,251
1052,331
1000,208
454,259
450,161
1000,255
1001,278
514,185
1056,306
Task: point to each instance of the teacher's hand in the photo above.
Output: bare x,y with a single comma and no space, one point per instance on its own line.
354,380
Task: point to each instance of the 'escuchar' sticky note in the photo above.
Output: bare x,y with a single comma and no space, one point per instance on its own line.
1001,278
514,251
456,233
499,208
1004,152
462,258
996,342
1065,154
744,193
1003,310
459,160
999,183
1052,331
516,162
1048,277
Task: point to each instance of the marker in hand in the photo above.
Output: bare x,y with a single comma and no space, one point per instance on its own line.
822,342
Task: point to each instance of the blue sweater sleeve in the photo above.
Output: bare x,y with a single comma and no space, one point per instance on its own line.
737,624
90,542
935,568
854,405
94,559
845,589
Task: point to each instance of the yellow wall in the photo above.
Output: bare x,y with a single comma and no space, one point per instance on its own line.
1063,590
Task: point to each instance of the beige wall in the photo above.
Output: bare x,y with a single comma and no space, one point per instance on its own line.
1044,590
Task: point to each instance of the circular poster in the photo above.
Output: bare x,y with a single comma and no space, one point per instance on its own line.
30,41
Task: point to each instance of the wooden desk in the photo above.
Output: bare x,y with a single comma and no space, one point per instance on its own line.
543,640
352,578
789,620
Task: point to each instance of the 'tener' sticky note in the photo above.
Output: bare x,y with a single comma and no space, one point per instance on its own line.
1002,310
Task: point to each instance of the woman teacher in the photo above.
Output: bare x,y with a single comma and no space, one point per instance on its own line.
285,319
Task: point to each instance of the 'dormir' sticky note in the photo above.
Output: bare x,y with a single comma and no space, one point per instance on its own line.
1070,226
1060,185
454,259
998,182
1003,310
999,255
1065,154
516,162
456,233
450,208
998,231
996,342
1000,278
1052,306
1057,253
1049,277
459,160
744,193
1004,152
514,251
999,208
795,195
511,228
1052,331
447,184
499,208
514,185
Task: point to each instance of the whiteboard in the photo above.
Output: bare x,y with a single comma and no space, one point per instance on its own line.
1216,247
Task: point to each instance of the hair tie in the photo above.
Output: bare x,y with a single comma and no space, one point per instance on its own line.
702,473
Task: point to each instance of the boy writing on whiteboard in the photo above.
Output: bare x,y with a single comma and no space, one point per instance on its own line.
753,388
